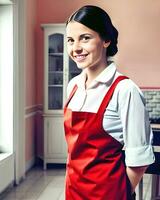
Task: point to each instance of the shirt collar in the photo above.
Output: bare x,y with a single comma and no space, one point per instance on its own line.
107,74
106,77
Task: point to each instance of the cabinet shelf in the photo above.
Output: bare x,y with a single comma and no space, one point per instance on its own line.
55,54
56,72
58,85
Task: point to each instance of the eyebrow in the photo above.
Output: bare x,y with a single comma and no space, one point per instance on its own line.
82,35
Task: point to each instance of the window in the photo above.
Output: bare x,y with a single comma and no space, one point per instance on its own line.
6,77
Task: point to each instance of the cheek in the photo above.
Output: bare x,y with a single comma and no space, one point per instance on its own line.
95,48
99,49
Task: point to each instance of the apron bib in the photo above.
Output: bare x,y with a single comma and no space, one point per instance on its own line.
95,169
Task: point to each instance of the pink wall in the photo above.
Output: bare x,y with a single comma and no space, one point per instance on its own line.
30,54
139,43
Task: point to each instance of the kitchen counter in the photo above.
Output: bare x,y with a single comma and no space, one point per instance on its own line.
156,139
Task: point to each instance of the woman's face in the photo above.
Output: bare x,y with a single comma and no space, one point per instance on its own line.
85,46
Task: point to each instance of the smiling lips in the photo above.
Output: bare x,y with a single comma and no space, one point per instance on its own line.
80,58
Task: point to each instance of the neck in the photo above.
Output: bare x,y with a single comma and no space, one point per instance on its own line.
92,74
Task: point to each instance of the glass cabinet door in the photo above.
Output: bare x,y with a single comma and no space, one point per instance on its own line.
55,71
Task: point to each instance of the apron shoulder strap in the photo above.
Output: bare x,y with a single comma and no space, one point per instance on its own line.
71,95
109,94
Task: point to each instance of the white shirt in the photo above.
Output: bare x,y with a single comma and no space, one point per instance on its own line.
125,118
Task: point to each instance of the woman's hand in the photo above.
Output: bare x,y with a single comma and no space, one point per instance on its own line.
135,174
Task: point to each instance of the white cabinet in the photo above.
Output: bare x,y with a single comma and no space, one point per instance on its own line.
58,70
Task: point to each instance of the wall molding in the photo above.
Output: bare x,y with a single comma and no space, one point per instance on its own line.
31,111
150,88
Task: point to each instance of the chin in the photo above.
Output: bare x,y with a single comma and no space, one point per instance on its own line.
81,66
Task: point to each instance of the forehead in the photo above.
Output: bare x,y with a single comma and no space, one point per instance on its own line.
75,28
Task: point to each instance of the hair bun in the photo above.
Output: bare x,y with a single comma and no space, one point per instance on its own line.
112,48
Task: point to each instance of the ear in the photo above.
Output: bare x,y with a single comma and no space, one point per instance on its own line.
106,43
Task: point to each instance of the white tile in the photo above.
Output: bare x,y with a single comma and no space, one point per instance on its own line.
57,181
51,193
23,187
30,196
62,196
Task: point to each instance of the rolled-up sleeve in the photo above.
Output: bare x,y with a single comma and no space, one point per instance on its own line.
139,156
137,133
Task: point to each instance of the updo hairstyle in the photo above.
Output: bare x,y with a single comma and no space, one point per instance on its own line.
98,20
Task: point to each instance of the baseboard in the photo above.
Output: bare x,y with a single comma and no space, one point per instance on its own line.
30,164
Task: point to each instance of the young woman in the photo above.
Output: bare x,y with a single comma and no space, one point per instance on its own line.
104,114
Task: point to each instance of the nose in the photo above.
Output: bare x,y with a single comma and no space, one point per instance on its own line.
77,47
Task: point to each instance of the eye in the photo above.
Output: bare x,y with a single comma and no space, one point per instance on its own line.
85,38
70,41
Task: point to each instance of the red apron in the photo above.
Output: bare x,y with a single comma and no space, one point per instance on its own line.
95,168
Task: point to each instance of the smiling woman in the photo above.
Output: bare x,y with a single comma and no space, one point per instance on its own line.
99,114
87,49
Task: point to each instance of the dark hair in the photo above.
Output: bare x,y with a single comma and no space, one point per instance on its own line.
98,20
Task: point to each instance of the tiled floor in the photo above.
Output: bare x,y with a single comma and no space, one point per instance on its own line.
49,185
39,185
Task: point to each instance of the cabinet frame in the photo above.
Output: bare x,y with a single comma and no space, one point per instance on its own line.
52,116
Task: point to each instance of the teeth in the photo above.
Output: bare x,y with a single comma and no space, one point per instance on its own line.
80,56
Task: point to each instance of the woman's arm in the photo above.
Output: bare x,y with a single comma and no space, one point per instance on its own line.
135,174
137,132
